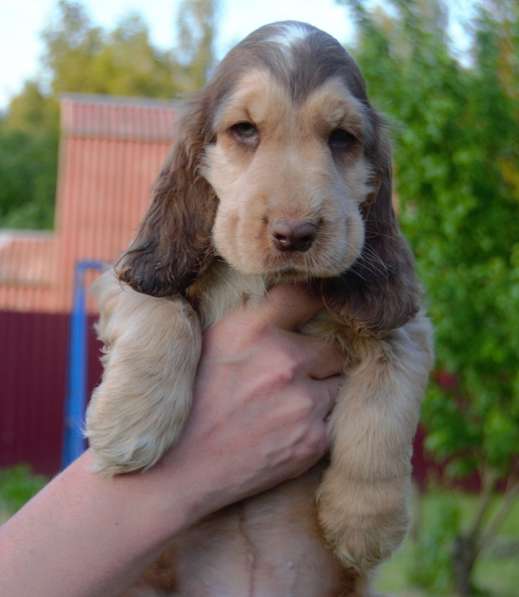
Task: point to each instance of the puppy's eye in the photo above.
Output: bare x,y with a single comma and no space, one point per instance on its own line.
341,140
245,132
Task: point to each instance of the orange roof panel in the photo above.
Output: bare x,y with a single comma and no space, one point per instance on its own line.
111,150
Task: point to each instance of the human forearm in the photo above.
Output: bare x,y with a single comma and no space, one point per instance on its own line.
110,527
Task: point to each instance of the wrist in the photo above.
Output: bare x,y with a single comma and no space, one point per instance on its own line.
186,490
130,503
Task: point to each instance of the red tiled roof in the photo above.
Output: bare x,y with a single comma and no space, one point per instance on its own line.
117,118
25,257
110,153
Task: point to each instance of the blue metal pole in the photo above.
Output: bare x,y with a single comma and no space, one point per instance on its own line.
74,442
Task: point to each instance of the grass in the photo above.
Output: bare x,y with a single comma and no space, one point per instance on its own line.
17,485
497,572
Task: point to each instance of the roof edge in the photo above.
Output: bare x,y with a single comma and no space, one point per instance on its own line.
113,117
125,100
25,233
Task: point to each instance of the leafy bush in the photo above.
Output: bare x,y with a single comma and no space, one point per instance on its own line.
430,564
456,133
17,485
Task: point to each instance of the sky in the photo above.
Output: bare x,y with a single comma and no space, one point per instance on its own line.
21,22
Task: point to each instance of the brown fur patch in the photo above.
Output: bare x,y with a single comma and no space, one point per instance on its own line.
161,574
173,244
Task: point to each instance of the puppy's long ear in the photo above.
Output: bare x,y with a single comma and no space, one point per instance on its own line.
173,245
380,292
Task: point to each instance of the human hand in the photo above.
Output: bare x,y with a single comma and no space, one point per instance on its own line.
262,395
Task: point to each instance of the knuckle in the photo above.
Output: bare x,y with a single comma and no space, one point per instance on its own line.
324,444
320,441
305,404
315,440
262,330
258,329
302,455
285,369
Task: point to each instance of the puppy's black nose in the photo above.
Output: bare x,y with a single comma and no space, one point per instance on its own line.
293,235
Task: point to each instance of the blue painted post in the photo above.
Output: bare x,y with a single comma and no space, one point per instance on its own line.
74,442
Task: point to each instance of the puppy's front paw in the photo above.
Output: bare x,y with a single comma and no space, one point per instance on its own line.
123,440
362,522
152,349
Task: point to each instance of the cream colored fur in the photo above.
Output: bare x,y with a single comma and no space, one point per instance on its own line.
152,348
153,344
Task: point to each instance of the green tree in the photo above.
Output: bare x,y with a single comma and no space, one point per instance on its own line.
28,160
81,57
456,130
27,177
196,33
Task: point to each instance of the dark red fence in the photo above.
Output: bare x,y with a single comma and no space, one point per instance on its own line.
33,384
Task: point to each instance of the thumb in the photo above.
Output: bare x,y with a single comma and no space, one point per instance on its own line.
288,306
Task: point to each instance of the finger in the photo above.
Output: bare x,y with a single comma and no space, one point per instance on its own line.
328,390
320,359
288,306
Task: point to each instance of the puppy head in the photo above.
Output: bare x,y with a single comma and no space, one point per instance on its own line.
281,167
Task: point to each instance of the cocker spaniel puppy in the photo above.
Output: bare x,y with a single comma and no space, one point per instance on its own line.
280,171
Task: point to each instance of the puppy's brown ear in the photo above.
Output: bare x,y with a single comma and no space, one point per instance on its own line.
380,292
173,245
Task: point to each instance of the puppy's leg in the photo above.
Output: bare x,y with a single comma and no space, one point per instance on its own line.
152,348
362,500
